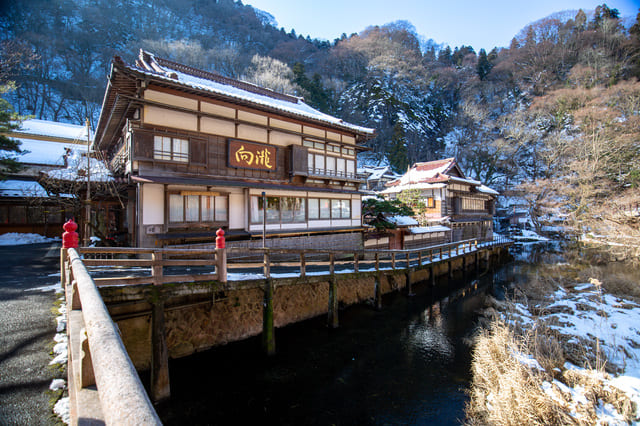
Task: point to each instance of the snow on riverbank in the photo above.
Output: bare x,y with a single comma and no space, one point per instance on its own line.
582,316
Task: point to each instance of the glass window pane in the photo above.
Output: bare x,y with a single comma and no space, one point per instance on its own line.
346,209
325,208
299,212
307,143
318,145
221,209
286,209
206,208
336,209
351,168
319,163
273,210
161,148
256,209
341,168
192,208
181,150
331,165
176,210
314,212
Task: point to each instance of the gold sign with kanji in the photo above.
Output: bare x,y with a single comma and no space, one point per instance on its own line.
250,155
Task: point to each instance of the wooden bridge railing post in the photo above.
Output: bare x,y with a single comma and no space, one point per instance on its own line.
356,266
268,330
156,267
393,261
333,294
303,265
160,386
266,264
221,256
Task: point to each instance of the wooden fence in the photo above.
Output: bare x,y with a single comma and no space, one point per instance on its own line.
159,266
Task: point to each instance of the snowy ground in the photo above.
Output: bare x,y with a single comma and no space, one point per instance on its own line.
61,408
13,238
582,315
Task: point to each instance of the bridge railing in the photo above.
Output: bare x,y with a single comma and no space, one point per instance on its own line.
140,265
103,383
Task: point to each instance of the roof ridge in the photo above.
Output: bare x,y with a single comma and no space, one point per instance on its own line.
213,76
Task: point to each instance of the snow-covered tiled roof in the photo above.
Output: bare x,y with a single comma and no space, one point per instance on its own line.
175,73
377,172
487,190
431,175
428,172
395,189
45,152
428,229
21,188
402,220
77,166
54,129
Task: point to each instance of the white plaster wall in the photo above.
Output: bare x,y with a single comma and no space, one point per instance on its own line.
152,204
237,211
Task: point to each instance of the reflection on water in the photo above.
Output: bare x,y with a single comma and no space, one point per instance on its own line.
406,364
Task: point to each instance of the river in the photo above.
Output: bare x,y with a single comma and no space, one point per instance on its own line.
406,364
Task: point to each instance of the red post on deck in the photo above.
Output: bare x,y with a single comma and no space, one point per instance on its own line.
220,242
221,256
70,237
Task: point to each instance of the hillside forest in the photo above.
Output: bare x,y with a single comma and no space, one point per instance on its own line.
552,121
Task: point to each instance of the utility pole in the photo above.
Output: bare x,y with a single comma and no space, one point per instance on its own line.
87,207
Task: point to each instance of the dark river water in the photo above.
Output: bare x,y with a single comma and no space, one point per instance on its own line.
406,364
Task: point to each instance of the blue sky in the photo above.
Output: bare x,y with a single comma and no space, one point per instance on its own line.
481,24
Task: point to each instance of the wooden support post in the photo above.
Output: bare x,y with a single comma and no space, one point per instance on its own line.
393,261
432,276
450,275
409,284
420,258
303,266
356,266
156,267
63,259
378,292
266,265
75,296
87,378
160,388
221,264
221,256
332,320
477,263
377,262
268,331
408,260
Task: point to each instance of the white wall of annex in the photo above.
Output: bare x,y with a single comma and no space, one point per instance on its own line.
152,204
237,210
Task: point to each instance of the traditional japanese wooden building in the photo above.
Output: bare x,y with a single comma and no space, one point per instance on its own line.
201,151
466,206
26,202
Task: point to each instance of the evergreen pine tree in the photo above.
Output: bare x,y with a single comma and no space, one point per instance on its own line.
9,121
397,153
484,66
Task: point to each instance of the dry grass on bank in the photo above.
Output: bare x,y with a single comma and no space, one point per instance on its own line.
505,391
510,388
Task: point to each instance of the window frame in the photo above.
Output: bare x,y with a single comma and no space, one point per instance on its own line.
185,209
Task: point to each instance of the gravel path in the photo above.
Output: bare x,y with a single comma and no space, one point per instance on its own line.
27,328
